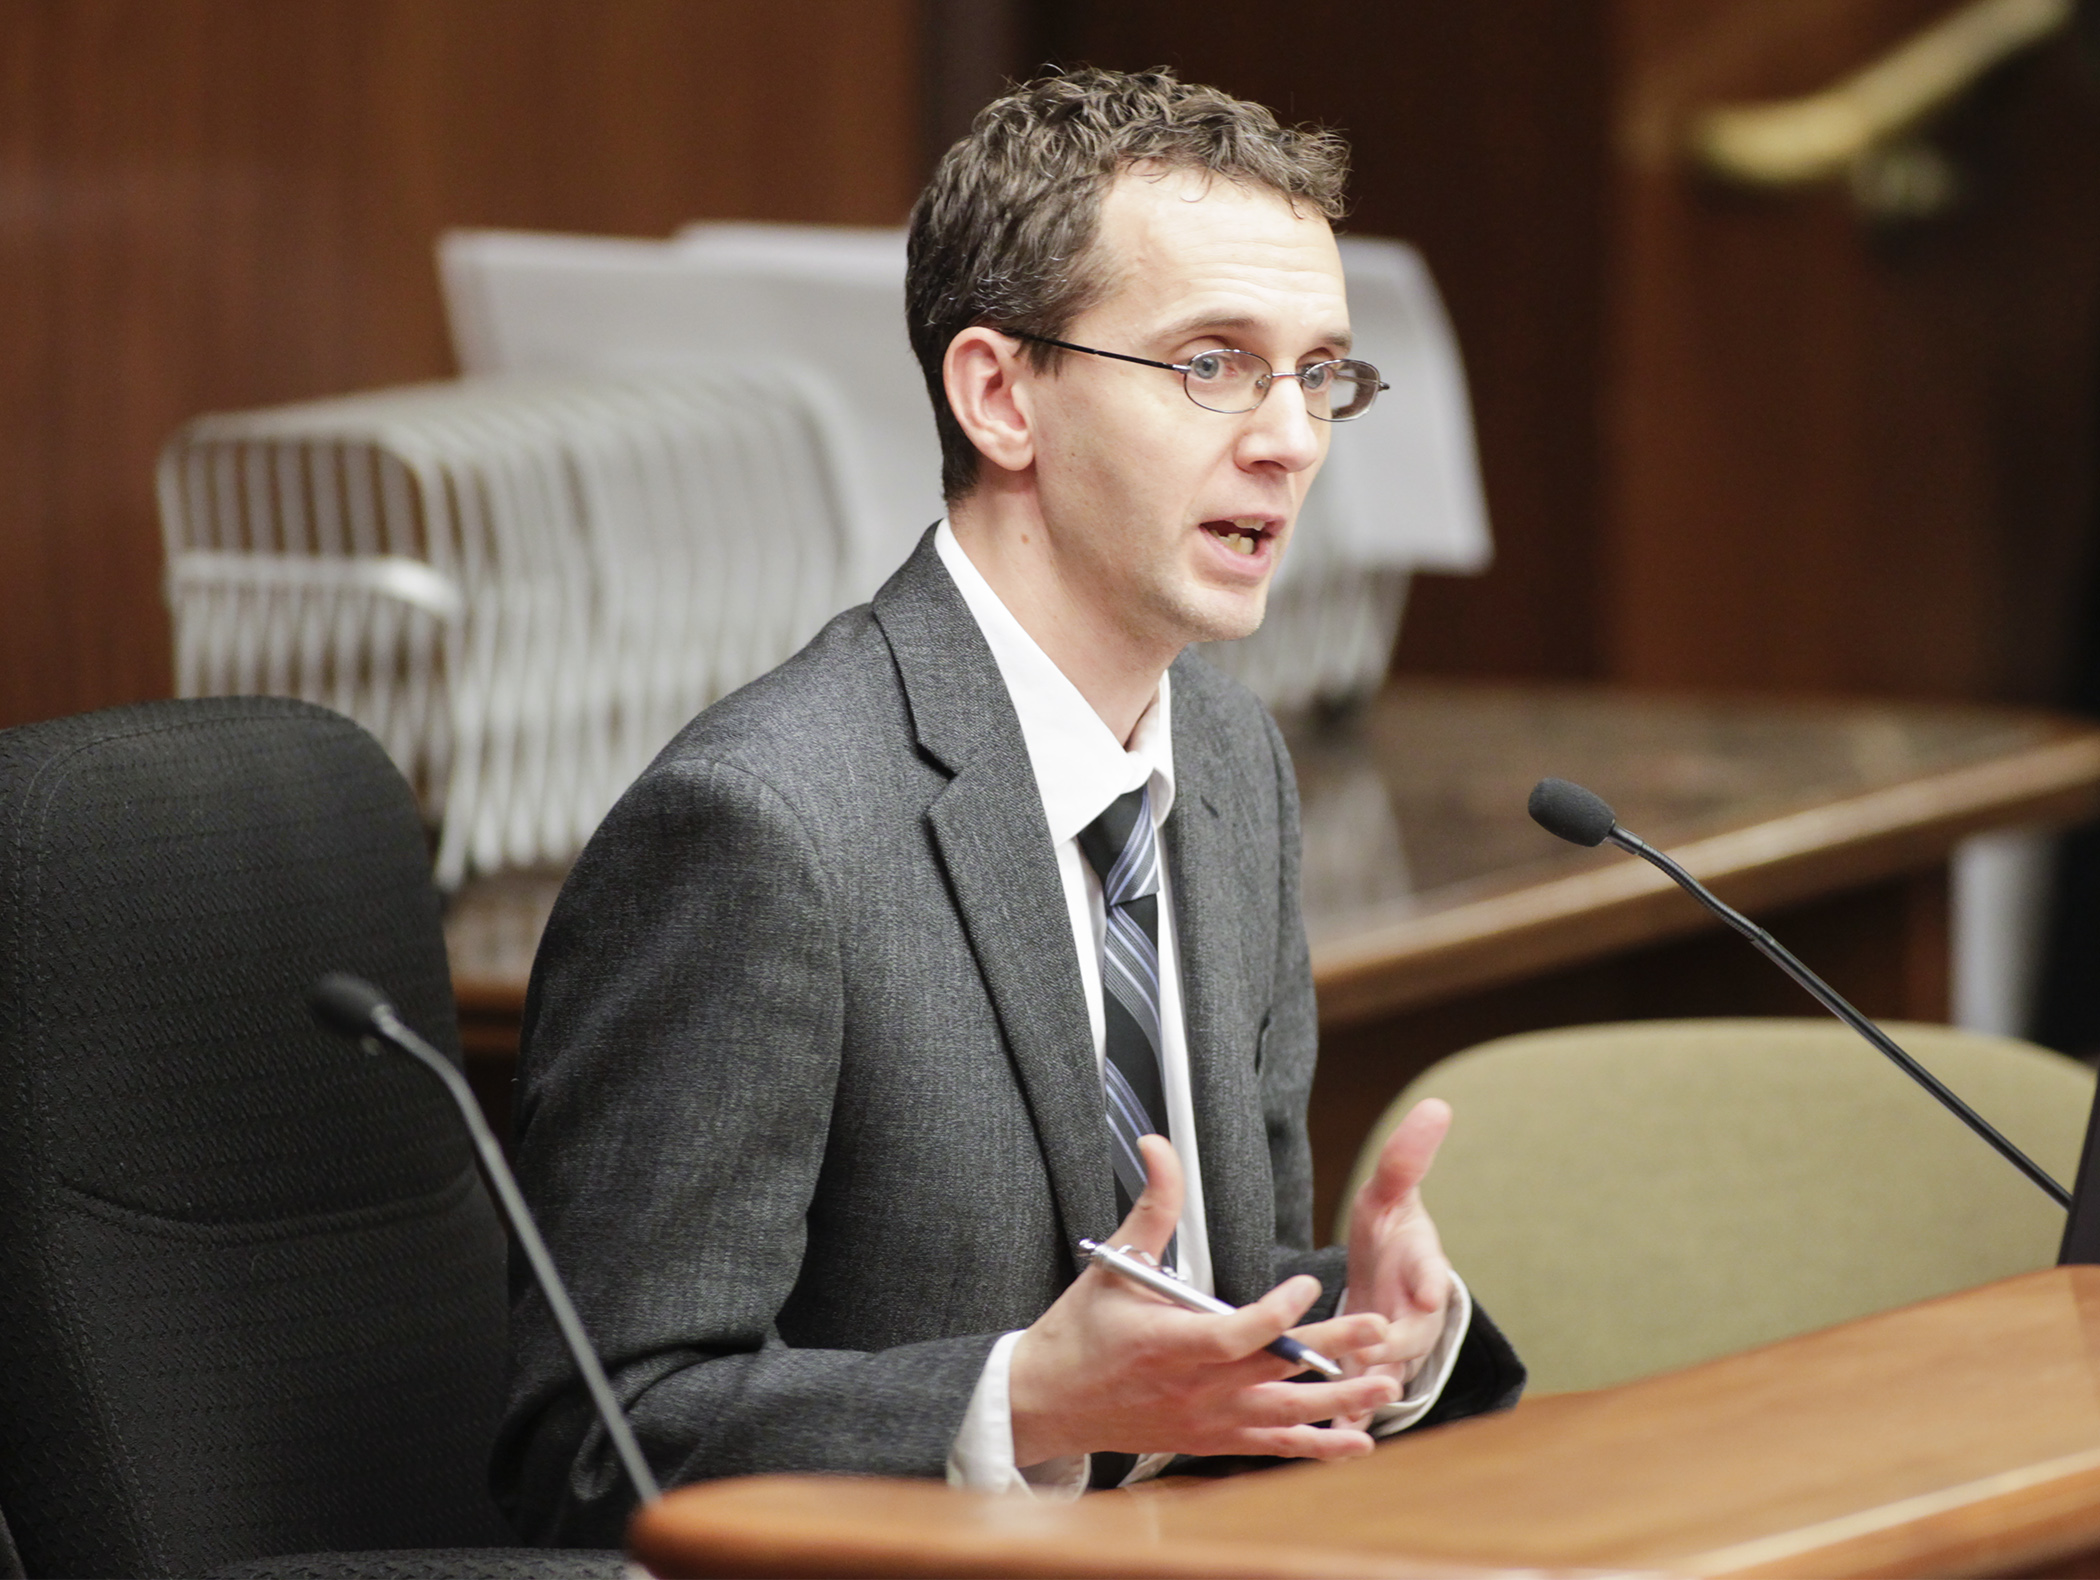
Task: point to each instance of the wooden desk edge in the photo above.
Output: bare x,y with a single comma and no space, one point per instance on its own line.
1588,915
773,1526
834,1526
2012,1514
2019,1520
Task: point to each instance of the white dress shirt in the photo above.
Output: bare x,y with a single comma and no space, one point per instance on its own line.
1080,768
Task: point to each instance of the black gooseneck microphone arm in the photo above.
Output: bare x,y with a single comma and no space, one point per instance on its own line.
1576,814
357,1009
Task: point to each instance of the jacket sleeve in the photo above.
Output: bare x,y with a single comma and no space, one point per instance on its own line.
1289,1043
1487,1374
681,1049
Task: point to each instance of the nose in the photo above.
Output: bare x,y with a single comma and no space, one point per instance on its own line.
1280,432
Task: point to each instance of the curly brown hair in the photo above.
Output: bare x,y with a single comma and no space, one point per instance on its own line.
1003,233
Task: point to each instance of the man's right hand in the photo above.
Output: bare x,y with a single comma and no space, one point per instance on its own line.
1113,1367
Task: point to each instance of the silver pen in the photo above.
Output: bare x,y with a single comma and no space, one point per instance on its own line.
1183,1293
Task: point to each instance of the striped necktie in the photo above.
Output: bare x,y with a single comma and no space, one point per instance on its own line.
1121,847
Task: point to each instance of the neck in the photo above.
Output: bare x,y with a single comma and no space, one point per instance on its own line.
1058,604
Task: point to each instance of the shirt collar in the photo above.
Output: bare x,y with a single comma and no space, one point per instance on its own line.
1080,766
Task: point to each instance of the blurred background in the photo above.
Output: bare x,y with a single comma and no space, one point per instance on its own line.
1741,438
1835,438
1740,463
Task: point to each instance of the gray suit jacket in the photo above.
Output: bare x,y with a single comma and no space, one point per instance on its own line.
807,1103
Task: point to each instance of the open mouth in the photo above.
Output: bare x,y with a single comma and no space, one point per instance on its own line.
1242,534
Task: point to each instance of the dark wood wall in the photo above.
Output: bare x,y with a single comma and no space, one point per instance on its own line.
1480,134
1728,440
211,204
1845,458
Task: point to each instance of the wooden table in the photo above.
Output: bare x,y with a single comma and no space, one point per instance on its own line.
1425,877
1961,1436
1439,915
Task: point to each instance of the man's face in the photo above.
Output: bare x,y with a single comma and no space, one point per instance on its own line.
1173,517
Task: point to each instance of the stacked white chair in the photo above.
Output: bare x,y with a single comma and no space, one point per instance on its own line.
523,587
1400,492
822,308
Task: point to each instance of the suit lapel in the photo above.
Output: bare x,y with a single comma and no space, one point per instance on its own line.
995,848
1206,850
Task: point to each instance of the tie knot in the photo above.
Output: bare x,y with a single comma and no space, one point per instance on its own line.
1120,847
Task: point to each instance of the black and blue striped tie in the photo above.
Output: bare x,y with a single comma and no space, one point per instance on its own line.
1121,848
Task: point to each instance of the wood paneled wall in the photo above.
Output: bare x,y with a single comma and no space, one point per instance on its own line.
1844,458
1480,136
1728,440
211,204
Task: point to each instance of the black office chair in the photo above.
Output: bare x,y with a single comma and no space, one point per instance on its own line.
251,1289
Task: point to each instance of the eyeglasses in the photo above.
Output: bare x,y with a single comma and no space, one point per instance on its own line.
1235,381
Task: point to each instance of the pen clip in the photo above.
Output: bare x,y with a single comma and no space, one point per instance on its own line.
1104,1253
1139,1254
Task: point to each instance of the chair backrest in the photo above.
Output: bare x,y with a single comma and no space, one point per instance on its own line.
251,1289
1630,1198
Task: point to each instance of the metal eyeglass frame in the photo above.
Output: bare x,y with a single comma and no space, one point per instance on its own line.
1261,384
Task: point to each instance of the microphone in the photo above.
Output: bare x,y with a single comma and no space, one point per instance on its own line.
354,1007
1583,818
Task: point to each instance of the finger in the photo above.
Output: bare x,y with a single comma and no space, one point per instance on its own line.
1408,1343
1414,1252
1244,1335
1426,1277
1294,1404
1408,1152
1361,1333
1274,1315
1304,1442
1153,1216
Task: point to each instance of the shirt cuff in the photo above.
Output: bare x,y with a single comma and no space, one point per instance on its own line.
1428,1384
982,1456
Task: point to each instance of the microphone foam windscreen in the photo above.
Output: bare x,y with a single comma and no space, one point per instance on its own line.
1577,815
345,1003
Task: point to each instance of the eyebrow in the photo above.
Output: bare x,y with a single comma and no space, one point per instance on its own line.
1204,324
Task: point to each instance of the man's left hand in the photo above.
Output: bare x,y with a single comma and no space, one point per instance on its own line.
1396,1263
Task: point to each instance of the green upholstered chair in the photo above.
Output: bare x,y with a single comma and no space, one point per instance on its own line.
1628,1199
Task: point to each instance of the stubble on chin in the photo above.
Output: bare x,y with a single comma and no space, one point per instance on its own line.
1216,620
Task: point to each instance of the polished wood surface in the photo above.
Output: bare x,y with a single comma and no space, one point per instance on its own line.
215,204
1769,802
797,1526
1424,877
1961,1436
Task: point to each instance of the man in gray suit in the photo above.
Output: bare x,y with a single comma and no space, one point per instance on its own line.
973,930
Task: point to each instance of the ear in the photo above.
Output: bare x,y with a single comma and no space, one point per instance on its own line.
987,384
